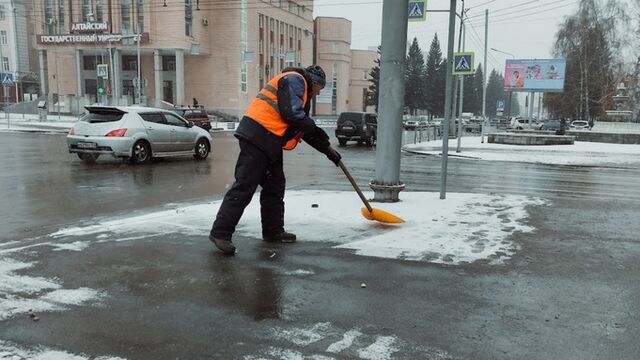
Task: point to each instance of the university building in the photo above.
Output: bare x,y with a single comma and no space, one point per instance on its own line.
168,52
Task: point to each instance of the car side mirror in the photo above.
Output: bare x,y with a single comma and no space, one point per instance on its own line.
189,124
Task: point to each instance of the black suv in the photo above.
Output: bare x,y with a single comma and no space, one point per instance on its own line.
357,126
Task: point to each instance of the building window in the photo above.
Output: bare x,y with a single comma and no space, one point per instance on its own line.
5,63
49,20
89,62
2,12
365,75
99,10
140,11
3,37
334,90
365,95
61,17
86,10
125,7
129,63
168,63
335,47
188,18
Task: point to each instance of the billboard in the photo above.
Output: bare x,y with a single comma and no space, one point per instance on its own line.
546,75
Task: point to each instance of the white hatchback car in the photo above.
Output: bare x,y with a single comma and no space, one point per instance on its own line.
137,134
580,125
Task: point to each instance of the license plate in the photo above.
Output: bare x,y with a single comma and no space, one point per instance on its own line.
347,128
86,145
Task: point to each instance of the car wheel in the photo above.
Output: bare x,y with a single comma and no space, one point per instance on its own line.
88,158
342,142
201,149
141,152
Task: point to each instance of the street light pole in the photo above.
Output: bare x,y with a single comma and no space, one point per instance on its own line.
447,102
139,87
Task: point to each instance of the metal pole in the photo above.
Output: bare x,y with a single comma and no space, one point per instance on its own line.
455,84
532,100
460,127
139,72
539,105
484,75
447,102
387,185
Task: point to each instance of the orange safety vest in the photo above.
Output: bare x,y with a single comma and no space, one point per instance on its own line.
264,109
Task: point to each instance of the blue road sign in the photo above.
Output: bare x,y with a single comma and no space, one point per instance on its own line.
7,78
463,63
500,105
417,10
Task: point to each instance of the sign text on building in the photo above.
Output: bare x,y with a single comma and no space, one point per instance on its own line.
90,38
89,27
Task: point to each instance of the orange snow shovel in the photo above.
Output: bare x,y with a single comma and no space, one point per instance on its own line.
368,212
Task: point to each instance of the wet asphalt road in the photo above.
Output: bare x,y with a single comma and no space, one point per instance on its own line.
570,292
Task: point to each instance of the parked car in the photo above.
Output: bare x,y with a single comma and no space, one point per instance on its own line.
137,134
357,126
198,116
551,125
580,125
411,124
520,123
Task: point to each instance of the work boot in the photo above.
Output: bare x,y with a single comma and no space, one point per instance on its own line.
226,246
285,237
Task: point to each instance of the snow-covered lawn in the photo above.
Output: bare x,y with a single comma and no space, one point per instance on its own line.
581,153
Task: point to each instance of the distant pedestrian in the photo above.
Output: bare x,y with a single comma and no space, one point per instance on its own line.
278,118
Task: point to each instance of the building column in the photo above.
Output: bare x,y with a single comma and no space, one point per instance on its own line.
157,74
79,79
116,91
42,57
179,77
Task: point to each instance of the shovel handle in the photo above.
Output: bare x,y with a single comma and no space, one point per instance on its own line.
355,186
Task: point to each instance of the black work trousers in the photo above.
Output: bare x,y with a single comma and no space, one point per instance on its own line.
253,168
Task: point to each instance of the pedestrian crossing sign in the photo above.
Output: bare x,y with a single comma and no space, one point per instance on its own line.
103,71
463,63
417,10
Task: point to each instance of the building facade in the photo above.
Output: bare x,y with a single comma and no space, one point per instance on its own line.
347,70
171,51
17,53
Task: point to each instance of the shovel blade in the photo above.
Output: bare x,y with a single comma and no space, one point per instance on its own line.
381,216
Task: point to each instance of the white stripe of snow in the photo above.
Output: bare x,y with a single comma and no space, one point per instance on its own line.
303,337
379,350
345,343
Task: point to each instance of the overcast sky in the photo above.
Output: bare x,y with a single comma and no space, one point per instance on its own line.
525,28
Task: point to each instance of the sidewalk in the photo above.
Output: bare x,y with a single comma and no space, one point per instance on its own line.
31,123
581,153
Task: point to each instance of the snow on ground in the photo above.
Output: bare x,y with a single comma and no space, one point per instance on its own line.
462,228
581,153
13,351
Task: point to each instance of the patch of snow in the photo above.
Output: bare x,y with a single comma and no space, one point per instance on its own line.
382,349
21,294
303,337
580,153
10,351
462,228
345,343
75,246
299,272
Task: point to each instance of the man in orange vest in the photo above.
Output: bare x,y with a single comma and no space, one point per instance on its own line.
278,118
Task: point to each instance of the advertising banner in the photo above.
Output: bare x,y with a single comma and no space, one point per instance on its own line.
546,75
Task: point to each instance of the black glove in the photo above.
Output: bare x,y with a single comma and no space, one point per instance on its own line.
333,155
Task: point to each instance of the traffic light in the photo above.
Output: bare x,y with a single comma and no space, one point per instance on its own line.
100,90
